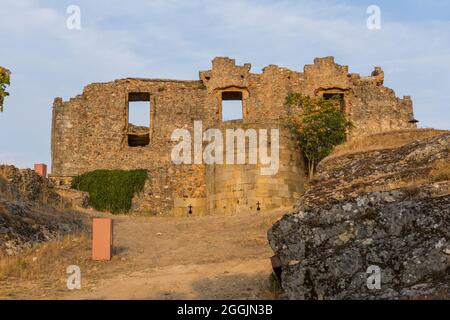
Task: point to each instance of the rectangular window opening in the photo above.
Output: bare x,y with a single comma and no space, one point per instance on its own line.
328,96
232,105
138,119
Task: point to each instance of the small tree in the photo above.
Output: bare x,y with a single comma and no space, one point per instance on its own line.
319,126
4,81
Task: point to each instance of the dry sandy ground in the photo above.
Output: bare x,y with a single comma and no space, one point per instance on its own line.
225,257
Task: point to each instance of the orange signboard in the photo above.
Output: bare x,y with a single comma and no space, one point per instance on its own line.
102,238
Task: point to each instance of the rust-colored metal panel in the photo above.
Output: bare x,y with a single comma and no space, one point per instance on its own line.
41,169
102,238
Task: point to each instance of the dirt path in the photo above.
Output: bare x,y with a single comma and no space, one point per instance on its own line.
225,257
238,279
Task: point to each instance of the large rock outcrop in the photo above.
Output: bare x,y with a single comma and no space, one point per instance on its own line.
338,230
27,185
347,176
32,211
22,225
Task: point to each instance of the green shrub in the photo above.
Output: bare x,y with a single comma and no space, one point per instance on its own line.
111,190
318,126
4,82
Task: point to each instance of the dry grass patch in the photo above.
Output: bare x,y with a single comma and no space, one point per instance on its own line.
384,140
397,184
441,171
45,259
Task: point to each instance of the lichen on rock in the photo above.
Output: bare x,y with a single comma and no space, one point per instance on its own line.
338,230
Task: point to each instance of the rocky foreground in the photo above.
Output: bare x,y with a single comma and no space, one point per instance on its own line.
32,211
379,209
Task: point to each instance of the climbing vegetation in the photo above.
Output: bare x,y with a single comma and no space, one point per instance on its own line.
111,190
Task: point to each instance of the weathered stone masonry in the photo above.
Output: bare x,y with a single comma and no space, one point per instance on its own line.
92,131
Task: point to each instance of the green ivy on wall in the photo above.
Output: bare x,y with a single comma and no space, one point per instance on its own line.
111,190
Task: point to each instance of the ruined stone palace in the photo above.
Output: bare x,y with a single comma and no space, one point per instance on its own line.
92,131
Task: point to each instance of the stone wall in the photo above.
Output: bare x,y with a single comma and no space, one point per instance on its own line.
241,188
91,131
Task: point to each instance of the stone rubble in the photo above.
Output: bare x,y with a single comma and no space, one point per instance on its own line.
32,211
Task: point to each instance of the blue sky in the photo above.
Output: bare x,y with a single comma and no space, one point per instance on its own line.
177,38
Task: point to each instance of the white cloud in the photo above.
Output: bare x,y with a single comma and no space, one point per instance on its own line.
177,38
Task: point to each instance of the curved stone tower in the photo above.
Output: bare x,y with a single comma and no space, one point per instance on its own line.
242,188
